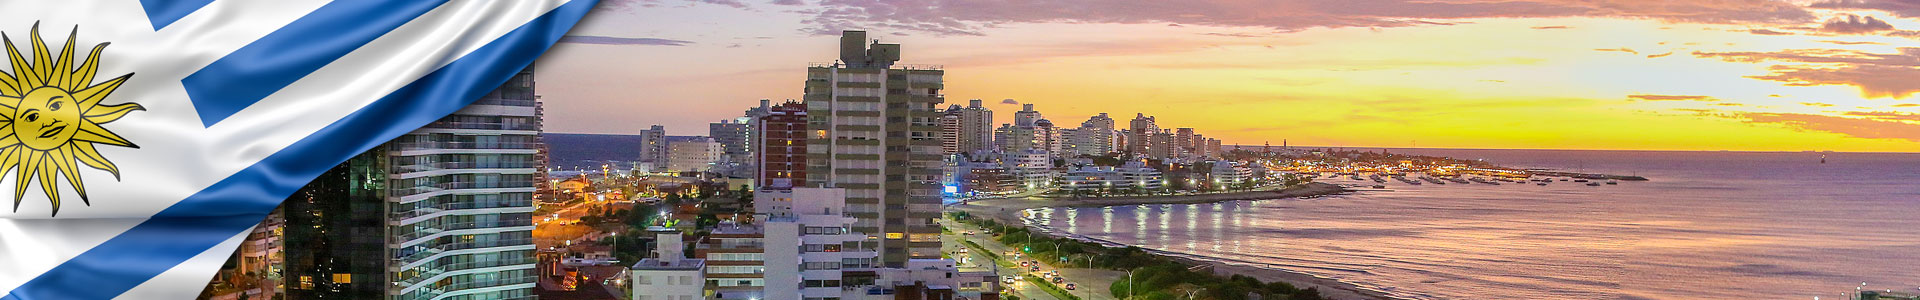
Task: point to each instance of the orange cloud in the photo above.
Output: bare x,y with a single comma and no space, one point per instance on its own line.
1861,128
1672,98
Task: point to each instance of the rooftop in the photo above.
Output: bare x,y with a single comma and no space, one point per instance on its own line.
684,264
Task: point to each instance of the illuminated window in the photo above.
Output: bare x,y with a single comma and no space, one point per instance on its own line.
342,278
895,235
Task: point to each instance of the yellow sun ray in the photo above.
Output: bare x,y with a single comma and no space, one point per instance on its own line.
46,179
28,78
109,113
85,75
63,66
6,112
92,95
90,156
94,133
9,159
41,58
63,158
30,164
8,86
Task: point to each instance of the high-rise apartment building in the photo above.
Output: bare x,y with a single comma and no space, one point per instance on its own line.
692,153
1182,142
443,212
976,128
782,156
735,137
875,134
950,130
1140,143
1095,136
653,149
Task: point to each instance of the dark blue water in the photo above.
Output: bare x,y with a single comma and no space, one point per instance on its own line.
1710,225
569,151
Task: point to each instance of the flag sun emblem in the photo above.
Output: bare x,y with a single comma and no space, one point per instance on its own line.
50,116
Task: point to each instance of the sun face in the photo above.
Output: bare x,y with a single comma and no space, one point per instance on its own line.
50,116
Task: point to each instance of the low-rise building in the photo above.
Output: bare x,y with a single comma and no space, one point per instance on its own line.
670,275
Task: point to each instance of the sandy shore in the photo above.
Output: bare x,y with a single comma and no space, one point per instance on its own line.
1006,211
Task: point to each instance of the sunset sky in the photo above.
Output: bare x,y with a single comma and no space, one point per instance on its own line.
1563,74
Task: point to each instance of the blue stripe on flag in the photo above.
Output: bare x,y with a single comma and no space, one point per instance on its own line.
237,203
267,65
163,12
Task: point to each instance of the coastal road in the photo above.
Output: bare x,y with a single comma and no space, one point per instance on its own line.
1091,283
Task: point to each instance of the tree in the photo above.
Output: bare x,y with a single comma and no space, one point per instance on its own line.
1306,294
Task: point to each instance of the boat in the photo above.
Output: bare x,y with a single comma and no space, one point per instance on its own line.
1593,184
1542,184
1579,180
1379,186
1613,182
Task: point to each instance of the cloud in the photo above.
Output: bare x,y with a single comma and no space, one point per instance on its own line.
1885,115
1902,8
1659,55
1235,34
608,40
972,17
1551,27
1671,98
1907,105
789,2
1861,128
1877,75
1816,104
1009,102
1767,32
1852,24
1852,43
1621,49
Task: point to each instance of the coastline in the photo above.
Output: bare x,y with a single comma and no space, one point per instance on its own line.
1007,211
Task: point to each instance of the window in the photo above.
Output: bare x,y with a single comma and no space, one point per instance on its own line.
342,278
644,280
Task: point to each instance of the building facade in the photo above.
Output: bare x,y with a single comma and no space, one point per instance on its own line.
653,149
975,134
782,157
876,135
692,153
443,212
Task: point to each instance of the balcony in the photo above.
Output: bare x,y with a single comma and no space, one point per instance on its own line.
482,126
424,231
461,145
432,270
416,190
438,166
505,102
408,214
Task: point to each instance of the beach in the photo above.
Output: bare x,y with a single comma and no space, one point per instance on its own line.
1007,211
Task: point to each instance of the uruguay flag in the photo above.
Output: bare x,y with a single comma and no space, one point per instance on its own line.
144,138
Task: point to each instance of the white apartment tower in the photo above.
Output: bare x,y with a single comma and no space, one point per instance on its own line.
876,134
1095,136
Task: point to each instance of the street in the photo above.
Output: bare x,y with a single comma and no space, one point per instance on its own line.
1090,283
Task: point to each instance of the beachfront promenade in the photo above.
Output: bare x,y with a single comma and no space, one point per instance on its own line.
1095,281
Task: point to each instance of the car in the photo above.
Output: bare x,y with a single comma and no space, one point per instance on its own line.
1036,268
1070,286
1058,279
1008,279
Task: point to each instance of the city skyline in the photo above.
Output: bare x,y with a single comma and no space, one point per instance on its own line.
1792,77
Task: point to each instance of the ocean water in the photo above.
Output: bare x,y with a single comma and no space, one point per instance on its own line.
1709,225
570,151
